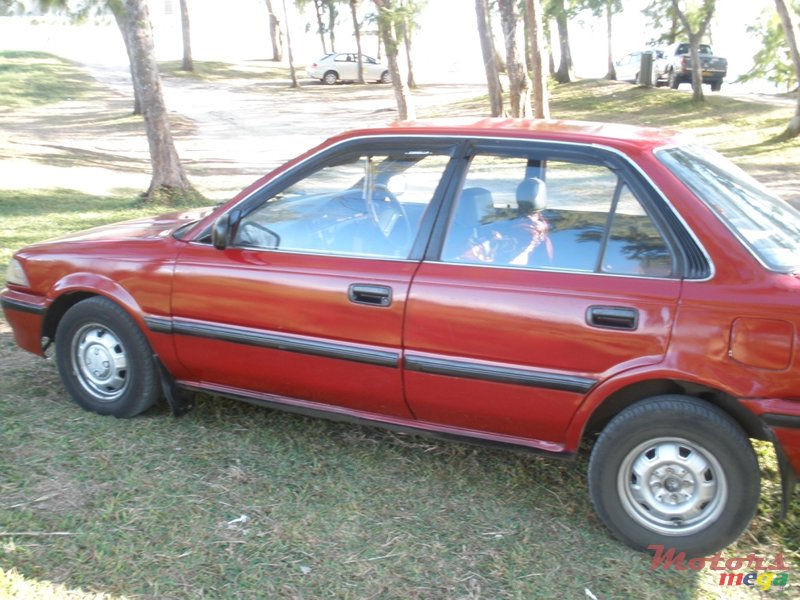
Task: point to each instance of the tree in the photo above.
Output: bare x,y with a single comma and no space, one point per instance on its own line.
518,82
772,62
534,14
354,5
409,10
790,29
695,23
559,10
662,14
489,59
607,8
292,71
275,33
188,64
388,16
133,19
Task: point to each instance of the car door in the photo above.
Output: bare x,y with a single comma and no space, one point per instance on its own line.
306,302
347,66
554,270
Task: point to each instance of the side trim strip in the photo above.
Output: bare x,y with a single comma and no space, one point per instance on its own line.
9,304
381,358
776,420
513,375
159,324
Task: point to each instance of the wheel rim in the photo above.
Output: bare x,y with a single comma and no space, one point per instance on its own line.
100,362
672,486
330,78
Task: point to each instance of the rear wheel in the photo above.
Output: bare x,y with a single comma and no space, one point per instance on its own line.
716,86
330,78
676,472
104,360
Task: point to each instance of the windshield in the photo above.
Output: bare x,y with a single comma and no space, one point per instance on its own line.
763,222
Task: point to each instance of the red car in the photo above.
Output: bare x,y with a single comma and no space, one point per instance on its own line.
517,283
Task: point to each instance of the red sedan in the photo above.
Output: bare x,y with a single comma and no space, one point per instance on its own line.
517,283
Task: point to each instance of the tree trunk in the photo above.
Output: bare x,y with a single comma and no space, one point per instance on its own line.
489,60
412,82
357,31
694,42
790,28
137,102
518,81
332,14
612,71
565,73
501,63
133,19
292,71
188,63
275,34
320,24
541,101
386,20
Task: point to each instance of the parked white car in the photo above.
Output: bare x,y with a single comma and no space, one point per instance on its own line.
343,66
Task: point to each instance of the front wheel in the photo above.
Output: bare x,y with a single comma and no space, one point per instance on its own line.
675,472
104,360
674,82
386,77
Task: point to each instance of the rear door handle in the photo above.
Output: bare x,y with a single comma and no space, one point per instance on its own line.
613,317
371,295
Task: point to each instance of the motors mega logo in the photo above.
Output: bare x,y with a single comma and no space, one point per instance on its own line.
763,573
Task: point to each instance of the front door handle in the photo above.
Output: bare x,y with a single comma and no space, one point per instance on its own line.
371,295
613,317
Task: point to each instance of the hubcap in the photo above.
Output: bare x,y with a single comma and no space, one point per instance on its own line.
672,486
100,362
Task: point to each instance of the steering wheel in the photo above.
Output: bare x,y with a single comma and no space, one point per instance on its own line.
398,214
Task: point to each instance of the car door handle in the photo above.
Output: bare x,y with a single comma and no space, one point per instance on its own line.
613,317
372,295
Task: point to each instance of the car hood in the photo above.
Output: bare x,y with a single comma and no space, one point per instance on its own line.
145,228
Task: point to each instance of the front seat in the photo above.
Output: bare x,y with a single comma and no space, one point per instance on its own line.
474,204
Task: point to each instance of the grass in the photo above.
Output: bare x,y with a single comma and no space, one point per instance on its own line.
37,78
258,70
237,501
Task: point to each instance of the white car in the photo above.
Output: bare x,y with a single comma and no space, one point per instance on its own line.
343,66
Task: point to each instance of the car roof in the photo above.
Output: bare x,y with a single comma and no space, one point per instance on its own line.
615,135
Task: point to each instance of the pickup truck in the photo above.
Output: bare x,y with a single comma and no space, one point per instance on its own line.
675,67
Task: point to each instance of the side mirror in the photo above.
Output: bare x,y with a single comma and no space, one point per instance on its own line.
221,232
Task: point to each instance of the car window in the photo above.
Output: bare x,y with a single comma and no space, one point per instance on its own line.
554,215
367,205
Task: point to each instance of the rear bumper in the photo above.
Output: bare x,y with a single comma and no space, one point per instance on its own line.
25,314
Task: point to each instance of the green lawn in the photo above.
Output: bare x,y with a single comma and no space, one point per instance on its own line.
236,501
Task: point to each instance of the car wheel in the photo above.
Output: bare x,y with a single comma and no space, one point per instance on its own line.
674,82
330,78
104,360
386,77
677,472
716,86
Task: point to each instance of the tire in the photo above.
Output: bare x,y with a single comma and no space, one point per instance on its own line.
386,77
716,86
674,82
330,78
104,360
677,472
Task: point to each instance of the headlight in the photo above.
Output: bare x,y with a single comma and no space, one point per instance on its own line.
15,274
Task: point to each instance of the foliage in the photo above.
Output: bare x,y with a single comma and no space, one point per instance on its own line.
772,61
662,15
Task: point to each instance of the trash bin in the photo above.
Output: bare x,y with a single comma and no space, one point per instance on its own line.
646,69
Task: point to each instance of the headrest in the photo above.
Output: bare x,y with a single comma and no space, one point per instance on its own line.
531,195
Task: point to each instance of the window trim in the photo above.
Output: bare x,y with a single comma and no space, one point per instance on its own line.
653,202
